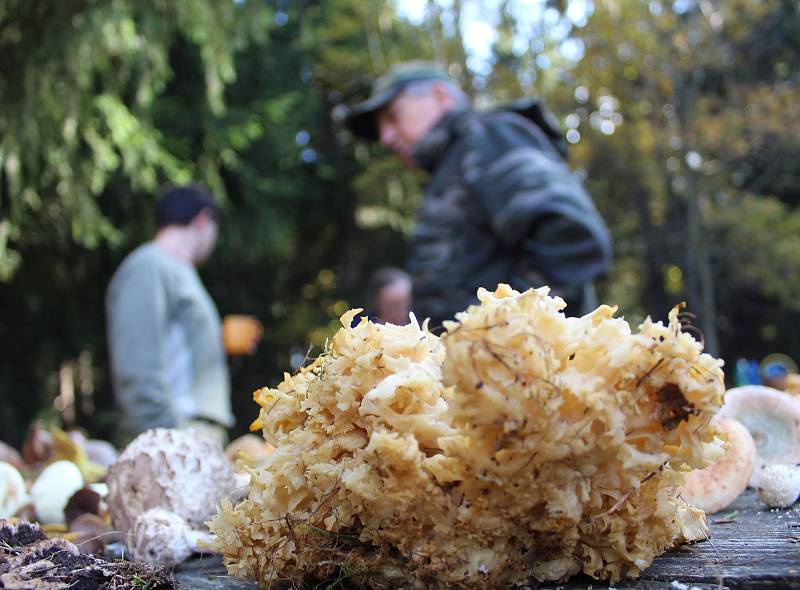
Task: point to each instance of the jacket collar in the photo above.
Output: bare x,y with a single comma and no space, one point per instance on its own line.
430,150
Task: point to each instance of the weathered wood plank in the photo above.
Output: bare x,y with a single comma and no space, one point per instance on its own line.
755,549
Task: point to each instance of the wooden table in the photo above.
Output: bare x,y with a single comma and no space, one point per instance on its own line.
750,547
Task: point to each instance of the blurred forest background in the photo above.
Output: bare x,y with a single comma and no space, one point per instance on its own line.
682,116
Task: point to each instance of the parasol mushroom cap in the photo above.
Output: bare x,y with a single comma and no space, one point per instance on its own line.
773,419
714,488
162,538
13,495
183,471
779,485
52,490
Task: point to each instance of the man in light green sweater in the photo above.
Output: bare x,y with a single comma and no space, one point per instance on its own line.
168,365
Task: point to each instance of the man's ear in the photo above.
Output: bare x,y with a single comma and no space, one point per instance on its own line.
203,217
442,94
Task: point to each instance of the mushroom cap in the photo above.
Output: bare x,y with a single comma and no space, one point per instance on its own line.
254,449
53,488
161,538
84,501
779,485
713,489
773,419
12,490
101,452
183,471
38,445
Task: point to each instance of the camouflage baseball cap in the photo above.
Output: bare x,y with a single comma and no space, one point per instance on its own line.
361,120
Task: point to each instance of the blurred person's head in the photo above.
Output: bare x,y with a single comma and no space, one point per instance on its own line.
404,106
187,218
389,294
774,375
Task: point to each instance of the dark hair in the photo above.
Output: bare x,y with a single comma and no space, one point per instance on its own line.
381,278
179,205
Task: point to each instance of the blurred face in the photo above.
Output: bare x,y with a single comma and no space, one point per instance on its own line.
409,117
394,303
206,232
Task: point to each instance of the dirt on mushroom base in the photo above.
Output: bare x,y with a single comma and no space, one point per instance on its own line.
520,446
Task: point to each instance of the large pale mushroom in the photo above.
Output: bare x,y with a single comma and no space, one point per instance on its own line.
773,419
52,490
715,487
12,490
184,472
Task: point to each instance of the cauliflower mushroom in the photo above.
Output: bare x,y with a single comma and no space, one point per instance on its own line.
773,419
713,489
779,485
518,447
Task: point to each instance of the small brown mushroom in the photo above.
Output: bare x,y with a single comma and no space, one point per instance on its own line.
713,489
38,445
773,419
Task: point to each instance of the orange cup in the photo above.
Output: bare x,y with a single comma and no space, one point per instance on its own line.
241,333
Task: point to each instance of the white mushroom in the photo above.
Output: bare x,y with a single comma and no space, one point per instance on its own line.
183,471
52,490
779,485
12,490
713,489
162,538
773,419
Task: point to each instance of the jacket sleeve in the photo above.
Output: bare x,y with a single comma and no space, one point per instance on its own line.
137,324
534,203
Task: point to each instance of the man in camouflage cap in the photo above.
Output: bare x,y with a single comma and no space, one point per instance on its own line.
501,205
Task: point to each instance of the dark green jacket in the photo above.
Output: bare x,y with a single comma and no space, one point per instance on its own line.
501,206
